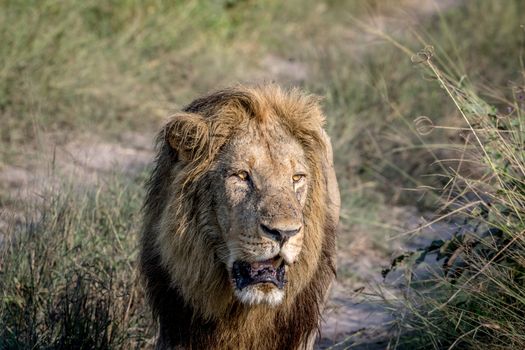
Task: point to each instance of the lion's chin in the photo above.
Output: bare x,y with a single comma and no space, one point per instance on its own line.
260,294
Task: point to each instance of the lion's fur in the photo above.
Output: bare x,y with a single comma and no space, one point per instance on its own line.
188,288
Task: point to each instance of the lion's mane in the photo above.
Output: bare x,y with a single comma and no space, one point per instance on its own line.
187,287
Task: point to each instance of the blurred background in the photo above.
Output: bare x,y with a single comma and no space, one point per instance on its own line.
84,86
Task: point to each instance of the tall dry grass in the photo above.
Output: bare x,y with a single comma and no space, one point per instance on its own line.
475,297
68,274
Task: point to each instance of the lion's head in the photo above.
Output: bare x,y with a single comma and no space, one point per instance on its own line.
241,199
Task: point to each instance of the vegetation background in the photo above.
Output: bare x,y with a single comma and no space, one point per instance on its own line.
417,135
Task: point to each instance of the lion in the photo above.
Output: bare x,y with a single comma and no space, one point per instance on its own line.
240,216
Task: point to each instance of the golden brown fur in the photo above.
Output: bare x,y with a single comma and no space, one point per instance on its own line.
186,277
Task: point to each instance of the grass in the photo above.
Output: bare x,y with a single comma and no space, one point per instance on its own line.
105,68
475,298
68,277
75,65
108,66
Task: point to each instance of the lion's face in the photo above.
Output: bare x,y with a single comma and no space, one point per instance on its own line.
260,192
241,198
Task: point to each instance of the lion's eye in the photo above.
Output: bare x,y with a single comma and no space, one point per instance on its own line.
243,175
298,177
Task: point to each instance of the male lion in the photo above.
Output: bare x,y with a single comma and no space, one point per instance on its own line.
238,243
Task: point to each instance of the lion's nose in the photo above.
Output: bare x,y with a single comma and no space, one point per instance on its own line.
280,234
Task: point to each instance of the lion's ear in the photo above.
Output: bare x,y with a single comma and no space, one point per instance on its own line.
187,134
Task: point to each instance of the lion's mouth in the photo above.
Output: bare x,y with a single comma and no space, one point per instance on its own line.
268,271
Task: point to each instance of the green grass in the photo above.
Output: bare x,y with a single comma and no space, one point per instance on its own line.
77,68
96,66
74,65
